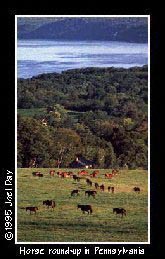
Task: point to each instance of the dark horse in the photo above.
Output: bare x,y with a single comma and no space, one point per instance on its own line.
85,208
32,209
136,189
76,178
96,185
74,192
90,193
49,203
119,211
111,188
37,174
89,182
102,187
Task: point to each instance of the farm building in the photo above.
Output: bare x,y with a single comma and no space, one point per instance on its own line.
81,162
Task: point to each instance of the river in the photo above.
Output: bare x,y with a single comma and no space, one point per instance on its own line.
44,56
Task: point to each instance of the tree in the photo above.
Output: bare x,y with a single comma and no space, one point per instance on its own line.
110,157
100,158
35,141
68,144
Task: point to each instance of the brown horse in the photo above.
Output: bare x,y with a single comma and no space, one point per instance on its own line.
96,185
93,174
89,182
36,173
136,189
83,172
90,193
32,209
85,208
49,203
74,192
76,178
102,187
52,172
109,176
111,188
119,211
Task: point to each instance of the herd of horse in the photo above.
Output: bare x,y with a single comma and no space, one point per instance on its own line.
84,207
81,173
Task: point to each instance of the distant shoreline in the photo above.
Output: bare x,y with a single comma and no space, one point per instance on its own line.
83,68
71,40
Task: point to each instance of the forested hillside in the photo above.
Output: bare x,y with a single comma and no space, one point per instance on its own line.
130,29
100,113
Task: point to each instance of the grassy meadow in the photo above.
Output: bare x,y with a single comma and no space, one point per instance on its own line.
31,112
66,223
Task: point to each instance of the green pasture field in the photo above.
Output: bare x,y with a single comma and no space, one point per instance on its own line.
31,112
66,223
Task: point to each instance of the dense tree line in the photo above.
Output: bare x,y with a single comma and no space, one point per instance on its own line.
100,113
